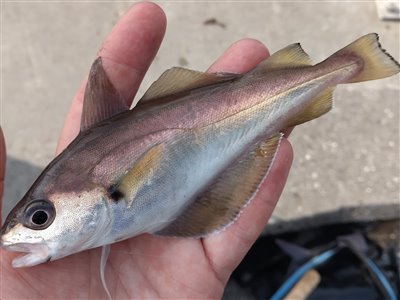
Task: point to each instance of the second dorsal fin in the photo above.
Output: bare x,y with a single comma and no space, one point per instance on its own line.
178,80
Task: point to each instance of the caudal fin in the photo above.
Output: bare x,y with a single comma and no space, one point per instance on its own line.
377,62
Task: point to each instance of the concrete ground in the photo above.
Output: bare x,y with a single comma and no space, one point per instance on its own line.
348,158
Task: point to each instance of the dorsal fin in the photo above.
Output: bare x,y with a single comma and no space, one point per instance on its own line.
179,80
289,57
101,100
222,202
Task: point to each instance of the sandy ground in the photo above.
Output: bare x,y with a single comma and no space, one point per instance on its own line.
348,158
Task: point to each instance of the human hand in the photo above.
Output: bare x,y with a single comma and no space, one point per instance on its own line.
150,266
2,166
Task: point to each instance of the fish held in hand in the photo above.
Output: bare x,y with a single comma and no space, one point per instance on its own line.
185,160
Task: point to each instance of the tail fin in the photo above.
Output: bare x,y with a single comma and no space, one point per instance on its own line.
377,62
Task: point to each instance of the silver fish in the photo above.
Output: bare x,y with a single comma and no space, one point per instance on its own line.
183,162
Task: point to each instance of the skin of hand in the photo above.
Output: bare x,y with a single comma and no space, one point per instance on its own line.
148,266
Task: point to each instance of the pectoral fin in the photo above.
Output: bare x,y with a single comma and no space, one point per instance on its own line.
101,99
221,203
136,177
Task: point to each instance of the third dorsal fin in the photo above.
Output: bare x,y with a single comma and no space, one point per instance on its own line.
178,80
290,56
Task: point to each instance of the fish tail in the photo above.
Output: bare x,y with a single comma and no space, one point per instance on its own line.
377,63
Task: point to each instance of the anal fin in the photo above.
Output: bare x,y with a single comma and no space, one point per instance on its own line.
318,106
221,203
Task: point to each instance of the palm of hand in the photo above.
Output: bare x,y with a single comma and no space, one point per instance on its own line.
150,266
146,266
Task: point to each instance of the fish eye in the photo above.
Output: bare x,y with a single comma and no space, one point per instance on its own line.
39,214
39,217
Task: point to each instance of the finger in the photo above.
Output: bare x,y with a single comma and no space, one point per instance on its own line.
131,47
2,167
288,131
126,53
241,57
241,235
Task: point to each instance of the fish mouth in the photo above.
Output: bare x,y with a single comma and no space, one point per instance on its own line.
36,253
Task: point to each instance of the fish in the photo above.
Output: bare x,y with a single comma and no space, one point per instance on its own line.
186,160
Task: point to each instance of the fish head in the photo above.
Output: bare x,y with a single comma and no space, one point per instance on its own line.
52,225
68,208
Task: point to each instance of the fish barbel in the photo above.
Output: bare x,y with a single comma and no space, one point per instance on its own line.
185,160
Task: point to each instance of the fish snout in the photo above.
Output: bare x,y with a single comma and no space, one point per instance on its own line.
3,243
35,253
6,238
7,226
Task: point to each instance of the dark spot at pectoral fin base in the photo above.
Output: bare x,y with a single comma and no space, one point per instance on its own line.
221,203
101,100
115,193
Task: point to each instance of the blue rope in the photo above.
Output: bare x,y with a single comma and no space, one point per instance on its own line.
381,277
296,276
322,258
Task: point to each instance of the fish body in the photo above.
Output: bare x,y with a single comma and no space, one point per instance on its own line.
185,160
